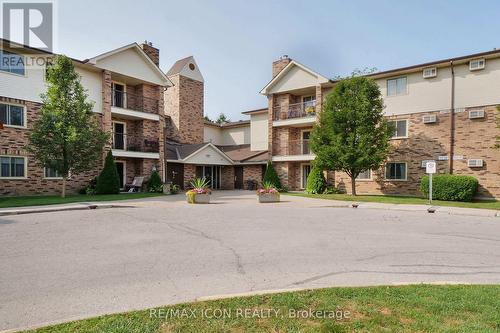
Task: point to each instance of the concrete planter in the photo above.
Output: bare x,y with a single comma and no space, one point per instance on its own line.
269,197
200,199
166,188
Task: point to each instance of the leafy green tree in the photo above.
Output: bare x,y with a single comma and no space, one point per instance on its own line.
352,134
316,182
108,181
221,119
67,136
270,176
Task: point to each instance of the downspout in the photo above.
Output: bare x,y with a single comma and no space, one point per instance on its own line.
452,118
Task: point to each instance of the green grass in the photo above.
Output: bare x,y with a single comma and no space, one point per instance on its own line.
484,204
38,200
416,308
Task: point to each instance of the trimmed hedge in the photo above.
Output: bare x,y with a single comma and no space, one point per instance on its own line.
450,187
316,182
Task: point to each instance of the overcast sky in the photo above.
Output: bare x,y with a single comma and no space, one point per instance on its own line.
235,41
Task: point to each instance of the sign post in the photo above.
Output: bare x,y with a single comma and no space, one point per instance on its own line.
430,168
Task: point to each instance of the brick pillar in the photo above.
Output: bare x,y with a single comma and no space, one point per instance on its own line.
107,124
270,112
279,64
319,99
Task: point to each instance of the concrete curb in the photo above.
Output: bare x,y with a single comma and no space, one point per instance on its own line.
45,209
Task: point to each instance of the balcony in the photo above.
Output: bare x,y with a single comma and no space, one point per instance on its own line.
293,150
132,106
295,114
126,145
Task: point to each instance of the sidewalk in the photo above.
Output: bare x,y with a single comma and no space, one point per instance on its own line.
58,208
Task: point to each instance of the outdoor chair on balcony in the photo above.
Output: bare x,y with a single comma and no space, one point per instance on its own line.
135,186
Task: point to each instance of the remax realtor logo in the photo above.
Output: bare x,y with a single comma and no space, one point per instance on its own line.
29,23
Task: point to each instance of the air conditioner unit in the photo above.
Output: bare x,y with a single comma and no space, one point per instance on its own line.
476,64
430,72
475,163
476,114
429,119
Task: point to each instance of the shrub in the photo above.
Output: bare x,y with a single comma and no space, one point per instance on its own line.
174,189
450,187
108,181
316,182
331,190
154,183
270,176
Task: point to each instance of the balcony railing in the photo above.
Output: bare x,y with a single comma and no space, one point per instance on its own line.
136,143
297,110
126,100
292,147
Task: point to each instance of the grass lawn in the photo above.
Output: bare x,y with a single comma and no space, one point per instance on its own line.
484,204
416,308
38,200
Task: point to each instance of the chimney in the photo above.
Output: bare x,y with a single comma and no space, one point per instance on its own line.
152,52
279,64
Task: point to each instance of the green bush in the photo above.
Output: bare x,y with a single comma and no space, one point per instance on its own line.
272,177
450,187
108,181
316,182
154,183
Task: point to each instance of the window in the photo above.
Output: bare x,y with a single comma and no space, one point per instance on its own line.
365,175
12,167
395,171
11,62
12,115
306,170
400,130
396,87
476,64
51,173
429,72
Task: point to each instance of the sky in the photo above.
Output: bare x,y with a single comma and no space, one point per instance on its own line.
234,42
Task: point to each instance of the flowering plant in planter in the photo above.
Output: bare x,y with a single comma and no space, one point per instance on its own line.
268,193
200,192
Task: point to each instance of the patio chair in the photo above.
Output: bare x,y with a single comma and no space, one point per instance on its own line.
135,186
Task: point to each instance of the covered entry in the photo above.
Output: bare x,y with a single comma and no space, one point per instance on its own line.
212,173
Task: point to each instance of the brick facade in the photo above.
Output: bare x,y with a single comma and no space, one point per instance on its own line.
252,172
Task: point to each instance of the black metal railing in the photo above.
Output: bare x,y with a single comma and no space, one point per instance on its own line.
122,141
292,147
127,100
297,110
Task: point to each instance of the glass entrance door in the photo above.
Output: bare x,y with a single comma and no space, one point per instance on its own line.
212,173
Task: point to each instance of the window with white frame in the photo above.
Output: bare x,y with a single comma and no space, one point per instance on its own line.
400,128
395,171
476,64
397,86
12,167
12,115
365,175
11,62
51,173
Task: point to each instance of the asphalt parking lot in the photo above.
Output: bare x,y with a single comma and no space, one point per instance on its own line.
73,264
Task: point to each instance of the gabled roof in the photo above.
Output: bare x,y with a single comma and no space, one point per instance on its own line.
284,71
186,67
134,46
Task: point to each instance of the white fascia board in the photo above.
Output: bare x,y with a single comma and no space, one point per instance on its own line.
132,114
135,154
293,158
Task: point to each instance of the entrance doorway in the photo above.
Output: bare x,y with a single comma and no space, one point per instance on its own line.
118,95
305,170
119,136
175,174
238,177
212,173
122,172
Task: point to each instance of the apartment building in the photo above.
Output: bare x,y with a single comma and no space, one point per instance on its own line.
126,86
227,155
443,111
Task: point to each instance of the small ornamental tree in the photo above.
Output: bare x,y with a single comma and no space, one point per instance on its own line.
316,182
221,119
66,137
270,176
154,183
352,134
108,181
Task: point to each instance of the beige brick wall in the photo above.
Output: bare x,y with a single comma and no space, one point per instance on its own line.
227,178
252,172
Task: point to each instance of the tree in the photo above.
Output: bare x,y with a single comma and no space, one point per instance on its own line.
352,134
66,137
154,183
270,176
221,119
316,182
108,181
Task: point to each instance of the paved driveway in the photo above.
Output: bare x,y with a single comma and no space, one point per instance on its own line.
66,265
